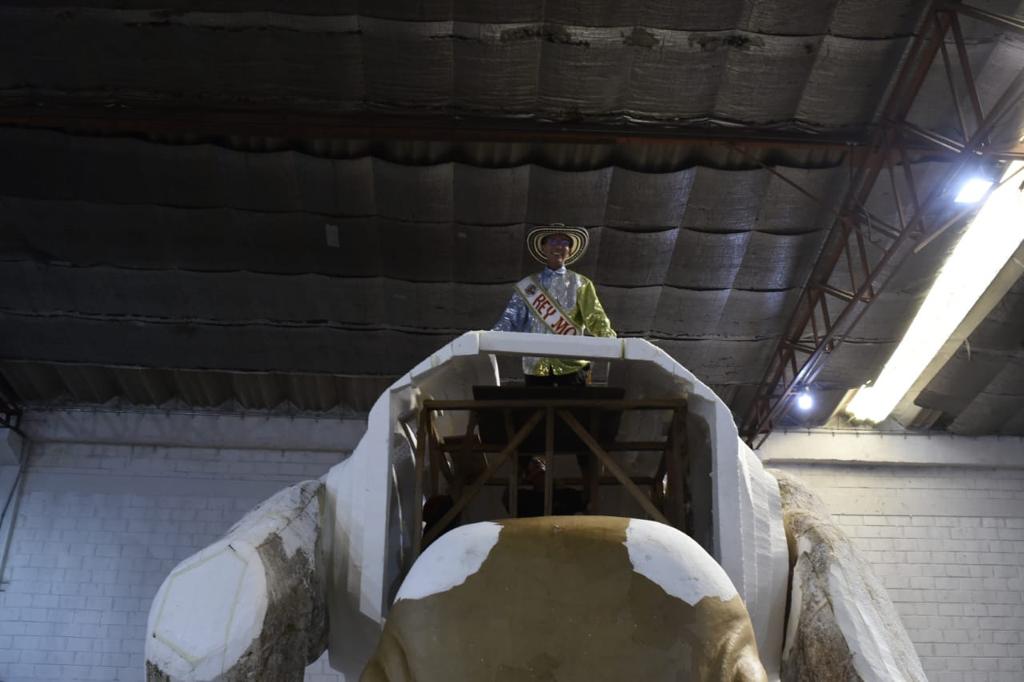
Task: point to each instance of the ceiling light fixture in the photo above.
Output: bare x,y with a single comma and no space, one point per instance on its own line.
973,191
805,401
989,242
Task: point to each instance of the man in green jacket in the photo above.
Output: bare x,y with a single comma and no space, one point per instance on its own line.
556,301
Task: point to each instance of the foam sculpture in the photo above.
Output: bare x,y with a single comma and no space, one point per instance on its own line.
253,605
574,598
842,625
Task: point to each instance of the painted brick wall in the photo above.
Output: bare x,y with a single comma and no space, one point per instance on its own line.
948,542
112,502
100,524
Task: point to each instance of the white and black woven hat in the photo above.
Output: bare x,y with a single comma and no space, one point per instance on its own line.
578,238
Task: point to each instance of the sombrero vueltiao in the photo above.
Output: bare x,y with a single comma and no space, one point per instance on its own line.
578,238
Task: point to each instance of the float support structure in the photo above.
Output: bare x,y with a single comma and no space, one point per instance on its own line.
464,464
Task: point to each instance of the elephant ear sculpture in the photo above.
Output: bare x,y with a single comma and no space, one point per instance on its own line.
327,564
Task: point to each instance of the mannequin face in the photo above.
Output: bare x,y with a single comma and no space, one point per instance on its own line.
556,248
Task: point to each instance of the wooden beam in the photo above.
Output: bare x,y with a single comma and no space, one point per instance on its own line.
620,446
602,404
675,461
612,466
481,480
513,470
549,461
417,512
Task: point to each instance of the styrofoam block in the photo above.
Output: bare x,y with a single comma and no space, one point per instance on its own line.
550,345
213,584
751,541
359,491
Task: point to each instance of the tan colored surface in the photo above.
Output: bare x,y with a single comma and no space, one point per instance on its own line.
557,599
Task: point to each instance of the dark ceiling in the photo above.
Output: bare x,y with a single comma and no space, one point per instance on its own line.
284,204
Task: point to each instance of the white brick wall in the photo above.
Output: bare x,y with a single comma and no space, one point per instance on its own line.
101,524
112,502
948,542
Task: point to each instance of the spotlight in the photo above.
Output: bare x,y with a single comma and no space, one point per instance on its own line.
973,191
804,401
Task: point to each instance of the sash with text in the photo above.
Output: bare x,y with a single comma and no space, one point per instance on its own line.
543,305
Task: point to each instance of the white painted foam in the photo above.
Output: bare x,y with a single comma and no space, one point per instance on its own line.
880,650
874,648
211,608
676,563
226,585
796,598
356,519
447,563
292,514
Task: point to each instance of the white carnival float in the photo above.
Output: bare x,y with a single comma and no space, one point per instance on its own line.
321,563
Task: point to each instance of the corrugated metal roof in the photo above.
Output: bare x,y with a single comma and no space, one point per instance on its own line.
702,258
57,383
215,268
743,61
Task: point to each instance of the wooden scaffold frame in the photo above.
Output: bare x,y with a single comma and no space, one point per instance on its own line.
437,457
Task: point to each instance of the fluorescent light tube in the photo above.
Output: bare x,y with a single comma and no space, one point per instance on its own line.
973,191
992,237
